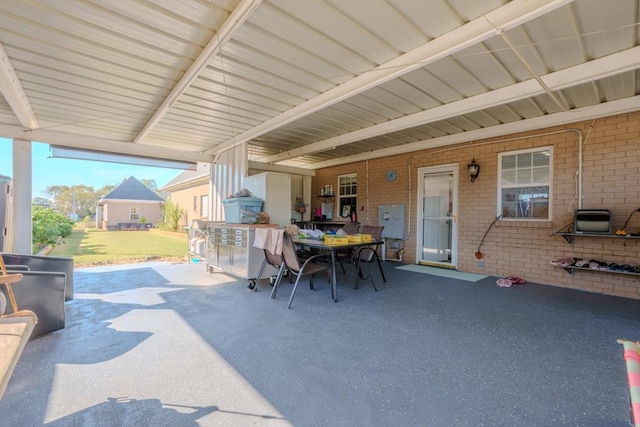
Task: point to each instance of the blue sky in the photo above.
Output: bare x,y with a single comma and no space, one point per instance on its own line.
49,171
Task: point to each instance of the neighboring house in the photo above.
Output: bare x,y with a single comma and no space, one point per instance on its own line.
130,203
190,191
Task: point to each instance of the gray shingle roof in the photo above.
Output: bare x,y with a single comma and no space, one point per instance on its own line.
132,189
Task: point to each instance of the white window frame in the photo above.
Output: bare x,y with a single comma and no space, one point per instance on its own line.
353,178
530,184
134,214
204,206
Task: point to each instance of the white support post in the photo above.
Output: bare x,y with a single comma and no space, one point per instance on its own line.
22,195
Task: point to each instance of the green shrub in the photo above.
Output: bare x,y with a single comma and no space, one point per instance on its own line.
171,215
48,227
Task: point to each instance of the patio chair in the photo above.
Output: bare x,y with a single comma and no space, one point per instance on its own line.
276,262
309,268
42,293
365,255
270,241
45,263
15,328
632,358
351,227
347,254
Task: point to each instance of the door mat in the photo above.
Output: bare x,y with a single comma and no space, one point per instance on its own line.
442,272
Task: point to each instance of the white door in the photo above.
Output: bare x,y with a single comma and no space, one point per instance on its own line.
438,216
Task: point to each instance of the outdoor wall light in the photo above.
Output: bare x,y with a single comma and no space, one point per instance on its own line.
474,169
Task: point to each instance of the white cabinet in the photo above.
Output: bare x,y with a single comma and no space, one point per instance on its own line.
275,189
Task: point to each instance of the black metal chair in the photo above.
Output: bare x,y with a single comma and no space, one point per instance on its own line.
308,268
347,254
363,256
273,259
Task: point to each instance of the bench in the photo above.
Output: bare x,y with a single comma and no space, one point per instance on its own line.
15,328
14,335
133,226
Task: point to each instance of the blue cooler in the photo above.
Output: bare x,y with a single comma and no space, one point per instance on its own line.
234,207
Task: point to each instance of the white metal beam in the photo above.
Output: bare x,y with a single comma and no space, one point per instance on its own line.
13,92
583,73
510,15
622,106
281,168
235,20
64,139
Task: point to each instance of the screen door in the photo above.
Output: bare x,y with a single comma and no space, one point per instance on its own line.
437,216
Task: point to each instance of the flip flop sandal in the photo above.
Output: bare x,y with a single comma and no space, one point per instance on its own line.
516,280
505,283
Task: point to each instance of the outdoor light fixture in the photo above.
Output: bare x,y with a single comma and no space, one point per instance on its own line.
474,169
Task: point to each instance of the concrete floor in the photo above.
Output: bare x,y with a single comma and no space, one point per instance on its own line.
161,344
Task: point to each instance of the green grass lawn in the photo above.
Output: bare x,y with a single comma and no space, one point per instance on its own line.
92,246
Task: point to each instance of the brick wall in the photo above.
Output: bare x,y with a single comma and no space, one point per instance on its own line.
611,180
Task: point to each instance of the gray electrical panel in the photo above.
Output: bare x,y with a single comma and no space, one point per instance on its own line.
392,218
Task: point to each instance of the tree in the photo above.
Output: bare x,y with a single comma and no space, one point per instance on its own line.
84,199
60,197
78,199
151,183
101,192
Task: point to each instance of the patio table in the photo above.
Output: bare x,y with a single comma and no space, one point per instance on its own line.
332,249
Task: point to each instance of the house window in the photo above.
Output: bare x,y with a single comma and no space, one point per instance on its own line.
204,205
134,214
195,203
347,194
524,187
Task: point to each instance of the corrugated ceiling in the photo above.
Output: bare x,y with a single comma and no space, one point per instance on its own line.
308,83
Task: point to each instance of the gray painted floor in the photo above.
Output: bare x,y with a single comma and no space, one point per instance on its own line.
161,344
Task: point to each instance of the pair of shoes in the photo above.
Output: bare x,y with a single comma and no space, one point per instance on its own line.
566,261
505,283
516,280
